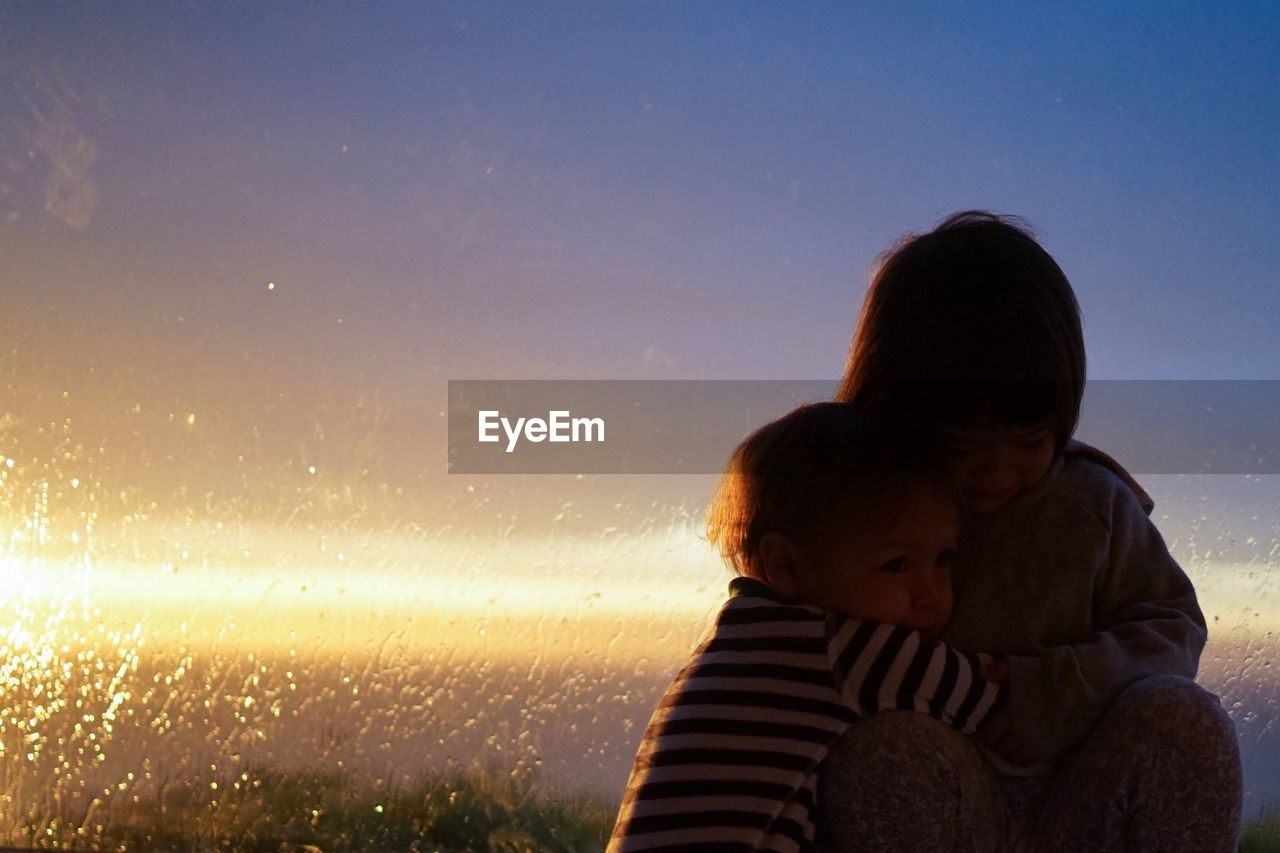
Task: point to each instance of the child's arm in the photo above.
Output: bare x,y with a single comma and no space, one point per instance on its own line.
887,667
1147,622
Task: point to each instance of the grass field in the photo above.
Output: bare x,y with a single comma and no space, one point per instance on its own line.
268,811
306,812
1262,836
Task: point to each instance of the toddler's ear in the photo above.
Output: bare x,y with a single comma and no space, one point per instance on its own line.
780,562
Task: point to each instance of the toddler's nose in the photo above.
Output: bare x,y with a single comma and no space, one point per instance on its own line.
932,608
931,595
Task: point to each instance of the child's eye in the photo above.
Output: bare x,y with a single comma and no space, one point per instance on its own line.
1033,439
896,566
947,557
959,446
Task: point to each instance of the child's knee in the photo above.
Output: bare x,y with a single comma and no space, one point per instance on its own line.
900,780
1169,709
904,745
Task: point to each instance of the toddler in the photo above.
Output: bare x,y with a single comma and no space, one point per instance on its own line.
843,539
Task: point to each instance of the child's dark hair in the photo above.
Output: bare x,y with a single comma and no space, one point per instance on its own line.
798,471
972,321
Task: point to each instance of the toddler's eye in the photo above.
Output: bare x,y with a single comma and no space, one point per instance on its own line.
947,557
896,566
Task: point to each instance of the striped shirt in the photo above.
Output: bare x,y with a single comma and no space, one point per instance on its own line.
729,760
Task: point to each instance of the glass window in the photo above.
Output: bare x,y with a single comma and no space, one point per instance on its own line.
244,248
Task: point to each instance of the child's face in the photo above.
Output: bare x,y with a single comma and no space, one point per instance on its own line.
894,569
989,465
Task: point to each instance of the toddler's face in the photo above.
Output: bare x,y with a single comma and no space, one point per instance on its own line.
990,465
894,569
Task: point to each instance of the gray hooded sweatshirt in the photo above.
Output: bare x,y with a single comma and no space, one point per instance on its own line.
1073,583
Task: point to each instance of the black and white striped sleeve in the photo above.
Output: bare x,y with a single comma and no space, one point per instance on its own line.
728,760
886,667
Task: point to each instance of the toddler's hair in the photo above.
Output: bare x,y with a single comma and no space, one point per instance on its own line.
794,473
972,321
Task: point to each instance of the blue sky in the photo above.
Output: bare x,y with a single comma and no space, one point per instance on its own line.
651,190
582,191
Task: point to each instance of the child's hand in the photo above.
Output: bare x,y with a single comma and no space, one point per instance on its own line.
997,733
997,730
996,670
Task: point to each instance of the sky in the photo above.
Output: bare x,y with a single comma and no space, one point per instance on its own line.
238,240
560,191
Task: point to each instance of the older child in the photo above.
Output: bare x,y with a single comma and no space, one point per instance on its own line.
972,331
843,543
